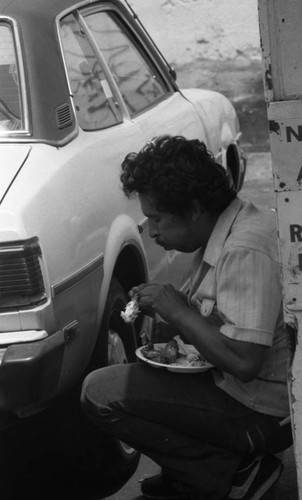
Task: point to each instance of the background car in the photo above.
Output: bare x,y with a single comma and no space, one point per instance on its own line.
81,85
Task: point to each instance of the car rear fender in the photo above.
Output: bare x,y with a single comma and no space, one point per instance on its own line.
217,115
219,119
12,159
123,241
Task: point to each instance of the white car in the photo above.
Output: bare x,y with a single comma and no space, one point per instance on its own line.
81,85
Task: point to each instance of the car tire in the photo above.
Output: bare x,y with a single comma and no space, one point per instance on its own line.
116,344
115,335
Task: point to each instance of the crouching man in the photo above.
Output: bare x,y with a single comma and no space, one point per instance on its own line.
214,434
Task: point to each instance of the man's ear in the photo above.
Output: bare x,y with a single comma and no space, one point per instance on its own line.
196,210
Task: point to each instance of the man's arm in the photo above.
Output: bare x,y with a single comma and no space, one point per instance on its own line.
242,359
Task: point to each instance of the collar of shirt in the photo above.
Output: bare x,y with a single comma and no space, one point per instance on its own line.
221,231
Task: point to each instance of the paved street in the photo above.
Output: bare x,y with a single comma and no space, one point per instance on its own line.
258,187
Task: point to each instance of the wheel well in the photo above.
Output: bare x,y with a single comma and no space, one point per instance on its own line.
130,271
233,164
129,268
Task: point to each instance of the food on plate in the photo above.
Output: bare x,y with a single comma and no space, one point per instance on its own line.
171,351
161,354
131,311
169,354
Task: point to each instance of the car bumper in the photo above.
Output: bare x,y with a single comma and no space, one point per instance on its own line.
29,371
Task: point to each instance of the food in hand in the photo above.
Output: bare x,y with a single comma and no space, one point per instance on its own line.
131,311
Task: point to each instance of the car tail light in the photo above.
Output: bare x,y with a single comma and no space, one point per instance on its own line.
21,280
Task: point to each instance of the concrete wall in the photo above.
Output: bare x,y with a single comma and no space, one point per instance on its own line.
210,29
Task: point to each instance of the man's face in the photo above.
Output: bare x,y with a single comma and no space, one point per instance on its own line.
172,232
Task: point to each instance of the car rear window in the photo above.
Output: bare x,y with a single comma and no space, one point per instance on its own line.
10,97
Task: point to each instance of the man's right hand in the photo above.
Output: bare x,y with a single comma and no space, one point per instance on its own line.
163,299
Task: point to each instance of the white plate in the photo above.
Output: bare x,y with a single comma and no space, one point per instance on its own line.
177,368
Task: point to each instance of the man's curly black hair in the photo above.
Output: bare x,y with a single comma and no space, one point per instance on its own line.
177,171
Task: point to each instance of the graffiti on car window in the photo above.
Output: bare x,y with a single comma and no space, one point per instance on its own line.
137,84
134,76
91,93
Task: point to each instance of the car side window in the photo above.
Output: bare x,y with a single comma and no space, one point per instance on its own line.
10,98
93,99
138,81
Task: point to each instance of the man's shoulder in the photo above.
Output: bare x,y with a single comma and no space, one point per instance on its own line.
255,216
254,228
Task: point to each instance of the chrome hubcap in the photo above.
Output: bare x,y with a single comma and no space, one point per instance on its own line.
116,350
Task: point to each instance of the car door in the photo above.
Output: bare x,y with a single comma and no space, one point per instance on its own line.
152,107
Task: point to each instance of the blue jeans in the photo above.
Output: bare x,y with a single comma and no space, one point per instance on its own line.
186,424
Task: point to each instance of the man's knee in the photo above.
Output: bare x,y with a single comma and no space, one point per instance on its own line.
92,394
104,387
96,394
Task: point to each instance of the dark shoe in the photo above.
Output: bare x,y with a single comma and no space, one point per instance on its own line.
162,487
252,482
